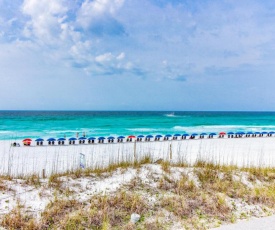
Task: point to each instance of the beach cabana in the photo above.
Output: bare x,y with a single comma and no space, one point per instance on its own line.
39,141
166,137
175,137
139,137
239,134
51,141
270,134
148,137
193,135
211,135
91,140
131,137
72,140
202,135
184,136
248,134
61,141
264,133
230,134
27,141
101,139
120,139
222,134
110,139
157,137
82,140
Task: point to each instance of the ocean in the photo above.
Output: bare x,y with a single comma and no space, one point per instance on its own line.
16,125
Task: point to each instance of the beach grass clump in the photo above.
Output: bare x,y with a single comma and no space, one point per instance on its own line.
17,219
102,212
56,211
34,180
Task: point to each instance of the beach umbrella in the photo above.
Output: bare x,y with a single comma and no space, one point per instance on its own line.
249,133
222,133
185,135
271,132
257,133
140,136
61,139
230,133
51,139
203,134
212,134
158,136
194,134
121,137
91,138
177,135
82,138
27,140
101,138
72,139
39,139
264,132
168,135
149,136
131,136
110,138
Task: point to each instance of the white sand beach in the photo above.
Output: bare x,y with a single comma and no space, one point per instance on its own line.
16,161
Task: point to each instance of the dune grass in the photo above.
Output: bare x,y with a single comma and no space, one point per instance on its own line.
196,196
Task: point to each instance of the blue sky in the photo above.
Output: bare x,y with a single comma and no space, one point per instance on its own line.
137,55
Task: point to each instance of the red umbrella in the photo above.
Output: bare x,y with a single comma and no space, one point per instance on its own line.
222,133
27,140
132,136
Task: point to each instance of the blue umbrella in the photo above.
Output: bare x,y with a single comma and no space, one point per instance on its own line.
51,139
110,138
61,139
212,134
264,132
82,138
230,133
72,139
121,137
101,138
91,138
257,133
158,136
140,136
149,136
194,134
249,133
203,134
39,139
168,135
271,132
177,135
185,135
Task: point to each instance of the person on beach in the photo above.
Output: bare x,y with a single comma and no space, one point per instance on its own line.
77,135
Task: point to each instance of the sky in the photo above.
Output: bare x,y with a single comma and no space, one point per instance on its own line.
176,55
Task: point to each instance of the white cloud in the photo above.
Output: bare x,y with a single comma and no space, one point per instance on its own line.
46,19
104,57
91,10
120,56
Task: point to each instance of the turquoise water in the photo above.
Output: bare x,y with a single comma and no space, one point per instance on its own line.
16,125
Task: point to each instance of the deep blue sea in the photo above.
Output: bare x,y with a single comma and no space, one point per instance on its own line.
16,125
